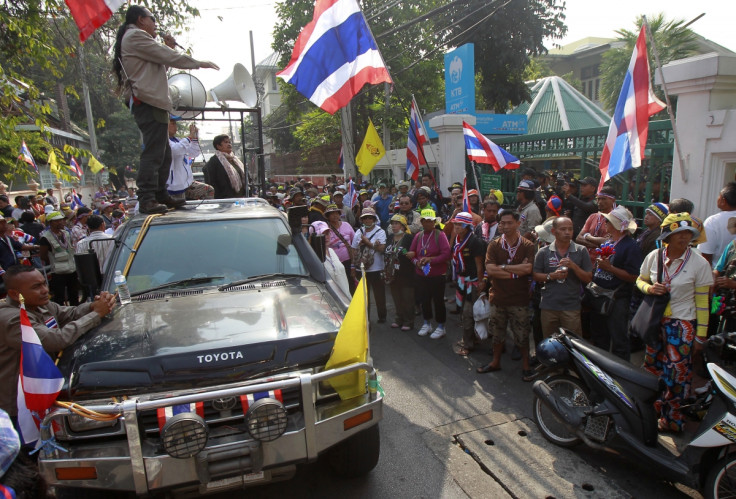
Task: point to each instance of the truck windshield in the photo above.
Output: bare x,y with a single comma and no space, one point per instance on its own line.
225,250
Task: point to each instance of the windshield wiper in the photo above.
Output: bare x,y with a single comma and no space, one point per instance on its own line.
256,278
191,280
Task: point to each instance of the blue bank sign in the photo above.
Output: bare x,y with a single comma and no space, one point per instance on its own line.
460,97
460,80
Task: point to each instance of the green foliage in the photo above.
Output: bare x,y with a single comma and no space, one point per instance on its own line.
673,42
40,50
120,141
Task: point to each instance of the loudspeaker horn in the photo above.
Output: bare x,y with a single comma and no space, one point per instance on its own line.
186,91
238,87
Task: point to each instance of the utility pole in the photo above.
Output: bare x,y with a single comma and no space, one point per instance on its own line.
87,104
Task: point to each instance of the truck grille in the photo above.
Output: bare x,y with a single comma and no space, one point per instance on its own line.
219,412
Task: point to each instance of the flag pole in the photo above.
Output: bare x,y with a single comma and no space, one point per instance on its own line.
364,290
424,127
683,166
475,176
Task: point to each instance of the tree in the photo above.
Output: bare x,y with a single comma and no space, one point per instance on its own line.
674,41
38,47
506,34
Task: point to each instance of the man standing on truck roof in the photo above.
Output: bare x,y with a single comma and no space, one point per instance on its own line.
56,326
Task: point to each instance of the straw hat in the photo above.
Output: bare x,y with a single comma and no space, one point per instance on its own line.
621,218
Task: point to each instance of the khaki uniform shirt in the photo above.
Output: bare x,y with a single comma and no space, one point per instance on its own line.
71,323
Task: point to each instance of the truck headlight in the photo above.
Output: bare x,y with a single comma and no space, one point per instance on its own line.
266,419
184,435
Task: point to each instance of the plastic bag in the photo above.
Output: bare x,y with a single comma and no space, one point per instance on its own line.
481,313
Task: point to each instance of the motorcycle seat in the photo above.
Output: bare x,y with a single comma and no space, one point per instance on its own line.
615,366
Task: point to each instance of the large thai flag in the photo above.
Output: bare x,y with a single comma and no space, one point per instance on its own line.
39,383
481,149
334,56
91,14
415,144
75,167
25,155
627,134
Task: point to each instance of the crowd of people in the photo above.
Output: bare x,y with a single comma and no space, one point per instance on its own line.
565,256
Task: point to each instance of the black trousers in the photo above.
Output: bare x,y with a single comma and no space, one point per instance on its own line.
64,287
153,171
431,290
375,283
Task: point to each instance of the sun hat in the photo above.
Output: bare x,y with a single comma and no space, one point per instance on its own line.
677,222
463,218
319,226
368,212
332,208
54,215
404,183
400,218
621,218
659,210
526,185
48,209
473,192
555,205
338,193
544,231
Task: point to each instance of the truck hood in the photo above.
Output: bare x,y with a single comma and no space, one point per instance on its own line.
201,337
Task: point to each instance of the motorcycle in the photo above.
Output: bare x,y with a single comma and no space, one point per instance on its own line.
585,394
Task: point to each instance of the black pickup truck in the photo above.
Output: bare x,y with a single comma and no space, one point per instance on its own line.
216,369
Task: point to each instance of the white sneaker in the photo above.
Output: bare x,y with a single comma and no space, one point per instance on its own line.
438,333
424,331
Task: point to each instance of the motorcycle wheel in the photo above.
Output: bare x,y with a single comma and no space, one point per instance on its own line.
573,391
721,481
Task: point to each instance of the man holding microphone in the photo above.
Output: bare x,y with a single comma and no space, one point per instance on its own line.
140,67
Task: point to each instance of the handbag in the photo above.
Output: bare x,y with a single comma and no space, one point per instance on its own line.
599,299
365,255
646,320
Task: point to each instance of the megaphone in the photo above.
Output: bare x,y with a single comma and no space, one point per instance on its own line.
238,87
186,91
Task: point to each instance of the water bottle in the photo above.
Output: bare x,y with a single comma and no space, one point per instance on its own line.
122,285
563,269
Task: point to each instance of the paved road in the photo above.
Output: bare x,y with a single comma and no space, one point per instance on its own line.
449,432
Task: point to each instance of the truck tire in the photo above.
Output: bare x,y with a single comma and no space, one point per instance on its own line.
357,455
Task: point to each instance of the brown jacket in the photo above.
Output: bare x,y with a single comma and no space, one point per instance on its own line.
144,62
72,322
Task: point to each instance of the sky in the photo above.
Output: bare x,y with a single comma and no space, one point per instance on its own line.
221,33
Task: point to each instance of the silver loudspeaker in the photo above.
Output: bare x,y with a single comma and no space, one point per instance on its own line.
238,87
186,91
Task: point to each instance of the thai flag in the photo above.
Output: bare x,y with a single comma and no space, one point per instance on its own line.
627,134
352,196
91,14
39,383
75,167
76,202
466,200
248,400
341,161
334,56
482,150
25,155
415,145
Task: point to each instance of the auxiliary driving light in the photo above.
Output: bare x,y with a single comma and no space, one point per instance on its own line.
266,419
184,435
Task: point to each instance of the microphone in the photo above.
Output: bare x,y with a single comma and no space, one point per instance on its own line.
165,35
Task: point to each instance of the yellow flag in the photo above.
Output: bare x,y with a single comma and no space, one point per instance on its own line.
53,163
351,346
371,151
94,165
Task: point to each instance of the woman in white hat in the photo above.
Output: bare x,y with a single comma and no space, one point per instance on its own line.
618,271
687,277
371,238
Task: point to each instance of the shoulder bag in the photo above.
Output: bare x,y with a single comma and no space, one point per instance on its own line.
646,320
364,255
351,250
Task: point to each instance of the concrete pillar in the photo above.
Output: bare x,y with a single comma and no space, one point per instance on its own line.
705,86
449,128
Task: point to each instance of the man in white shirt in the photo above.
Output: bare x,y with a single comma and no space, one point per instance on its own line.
716,226
103,249
181,183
